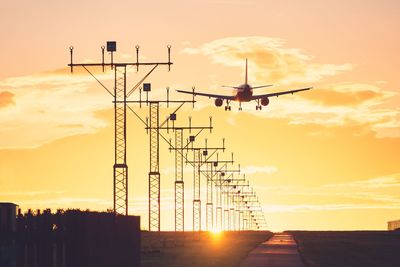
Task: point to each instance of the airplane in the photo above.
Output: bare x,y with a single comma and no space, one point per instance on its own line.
244,93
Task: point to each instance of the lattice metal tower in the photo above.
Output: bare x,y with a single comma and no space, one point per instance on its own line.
209,204
179,183
196,191
218,210
154,173
211,172
120,95
201,157
120,166
179,157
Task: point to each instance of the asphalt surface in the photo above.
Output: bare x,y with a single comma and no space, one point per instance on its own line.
279,251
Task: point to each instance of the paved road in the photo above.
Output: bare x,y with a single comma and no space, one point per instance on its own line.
279,251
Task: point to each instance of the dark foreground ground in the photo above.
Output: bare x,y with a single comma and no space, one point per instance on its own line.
349,249
207,250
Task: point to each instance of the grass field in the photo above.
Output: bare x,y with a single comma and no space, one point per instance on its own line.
205,250
349,249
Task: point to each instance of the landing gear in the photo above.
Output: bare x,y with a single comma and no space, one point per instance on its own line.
227,107
240,106
258,107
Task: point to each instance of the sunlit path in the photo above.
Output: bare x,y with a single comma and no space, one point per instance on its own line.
279,251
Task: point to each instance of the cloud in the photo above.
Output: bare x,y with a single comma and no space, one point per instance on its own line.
171,170
323,207
29,193
328,104
247,170
49,106
6,99
348,94
374,183
337,105
374,193
259,169
269,59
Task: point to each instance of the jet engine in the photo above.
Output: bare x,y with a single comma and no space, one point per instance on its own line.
265,101
219,102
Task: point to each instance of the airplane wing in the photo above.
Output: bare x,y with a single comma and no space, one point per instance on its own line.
208,95
255,97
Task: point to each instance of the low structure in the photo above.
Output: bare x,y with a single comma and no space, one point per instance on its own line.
394,225
8,228
71,238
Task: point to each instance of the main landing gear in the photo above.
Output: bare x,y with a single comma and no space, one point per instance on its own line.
258,107
227,107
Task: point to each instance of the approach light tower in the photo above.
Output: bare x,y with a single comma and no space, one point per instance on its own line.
120,96
179,156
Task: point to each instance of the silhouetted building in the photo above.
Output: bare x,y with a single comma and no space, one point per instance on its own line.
8,228
394,225
69,238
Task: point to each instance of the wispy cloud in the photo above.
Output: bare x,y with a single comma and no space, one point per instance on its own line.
379,192
328,104
259,170
337,105
324,207
247,170
374,183
269,59
30,193
48,106
349,94
171,170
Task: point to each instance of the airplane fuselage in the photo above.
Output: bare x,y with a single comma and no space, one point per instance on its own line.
244,93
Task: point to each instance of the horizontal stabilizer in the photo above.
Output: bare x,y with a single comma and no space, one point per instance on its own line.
231,87
262,86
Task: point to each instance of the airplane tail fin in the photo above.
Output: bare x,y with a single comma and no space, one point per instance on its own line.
245,81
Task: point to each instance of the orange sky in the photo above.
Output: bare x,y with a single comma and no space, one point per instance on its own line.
321,159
